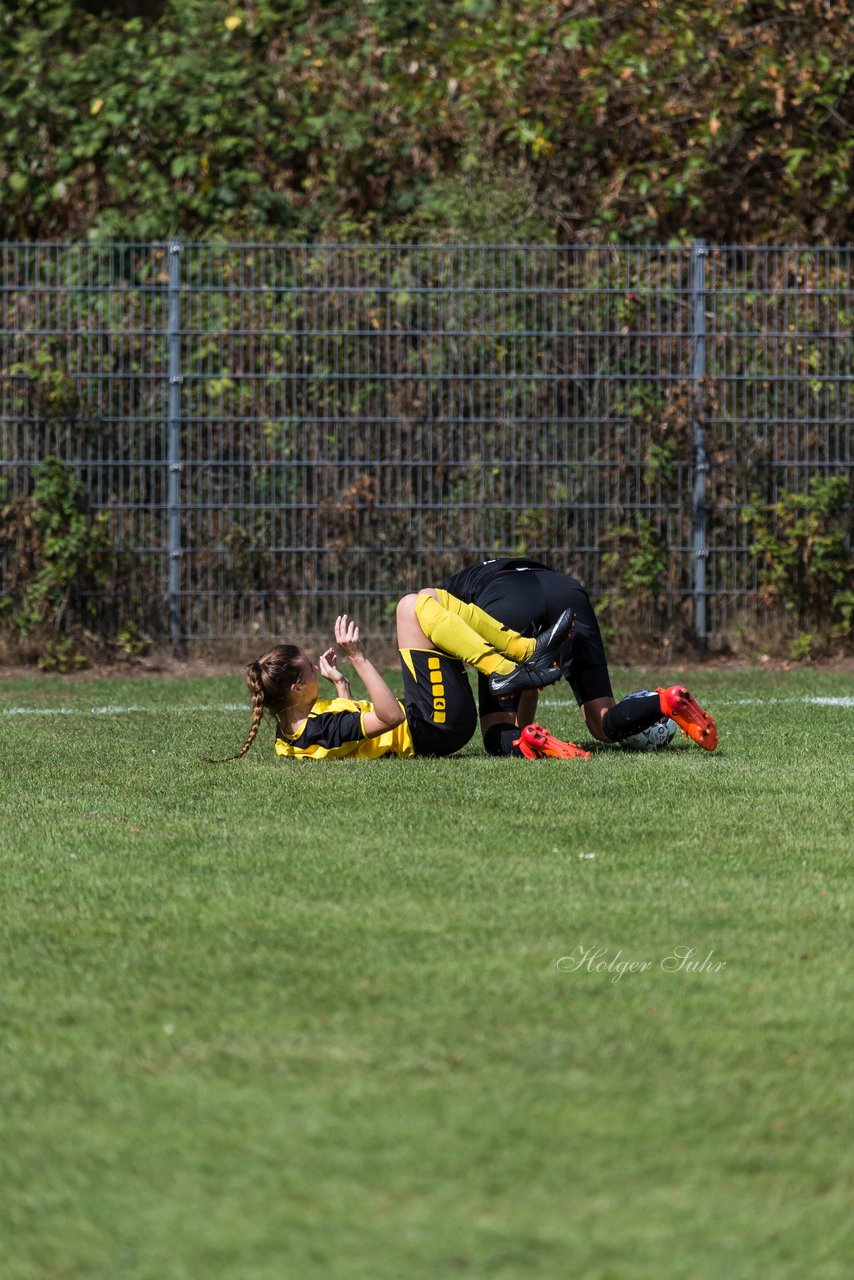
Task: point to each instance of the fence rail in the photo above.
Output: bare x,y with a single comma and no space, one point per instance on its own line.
276,432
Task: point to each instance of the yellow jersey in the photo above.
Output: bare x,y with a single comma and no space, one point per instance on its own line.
335,730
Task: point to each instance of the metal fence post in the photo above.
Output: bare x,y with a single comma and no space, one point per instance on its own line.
174,443
701,466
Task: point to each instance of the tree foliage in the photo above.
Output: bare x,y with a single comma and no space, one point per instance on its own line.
292,118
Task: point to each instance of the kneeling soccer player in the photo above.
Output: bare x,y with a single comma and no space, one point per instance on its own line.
437,716
530,596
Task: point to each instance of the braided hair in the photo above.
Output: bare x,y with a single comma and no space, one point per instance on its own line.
269,680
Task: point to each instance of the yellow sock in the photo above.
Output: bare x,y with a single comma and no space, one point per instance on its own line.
450,632
515,647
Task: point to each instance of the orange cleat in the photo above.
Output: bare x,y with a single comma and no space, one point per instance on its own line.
678,703
535,743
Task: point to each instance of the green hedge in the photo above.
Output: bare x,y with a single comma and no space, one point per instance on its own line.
481,118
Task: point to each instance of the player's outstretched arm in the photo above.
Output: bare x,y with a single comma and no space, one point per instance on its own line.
387,712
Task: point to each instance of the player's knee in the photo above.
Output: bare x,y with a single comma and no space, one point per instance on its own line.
416,603
406,607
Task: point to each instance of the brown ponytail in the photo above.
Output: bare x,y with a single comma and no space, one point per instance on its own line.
269,680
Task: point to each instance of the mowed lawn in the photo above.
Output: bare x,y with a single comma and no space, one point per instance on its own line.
272,1021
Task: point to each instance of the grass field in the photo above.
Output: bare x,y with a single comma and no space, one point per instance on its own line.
270,1020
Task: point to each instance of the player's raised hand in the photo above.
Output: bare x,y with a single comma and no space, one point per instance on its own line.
328,663
347,637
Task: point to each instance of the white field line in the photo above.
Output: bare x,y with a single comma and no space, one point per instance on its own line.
244,707
751,702
121,711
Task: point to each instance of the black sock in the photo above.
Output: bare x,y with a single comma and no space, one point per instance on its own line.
631,716
499,738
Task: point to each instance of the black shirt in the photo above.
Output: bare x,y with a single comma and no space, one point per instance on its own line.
469,584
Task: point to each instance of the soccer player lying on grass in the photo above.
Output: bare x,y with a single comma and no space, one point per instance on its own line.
529,597
437,715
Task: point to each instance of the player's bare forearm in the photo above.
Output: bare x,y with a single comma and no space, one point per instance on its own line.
386,705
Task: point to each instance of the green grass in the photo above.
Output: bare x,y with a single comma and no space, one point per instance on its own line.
271,1020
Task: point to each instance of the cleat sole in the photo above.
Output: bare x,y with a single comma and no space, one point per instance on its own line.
543,667
691,718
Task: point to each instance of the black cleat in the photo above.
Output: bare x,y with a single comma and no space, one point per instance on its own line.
543,667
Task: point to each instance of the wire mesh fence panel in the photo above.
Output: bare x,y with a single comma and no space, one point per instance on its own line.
781,407
276,433
83,377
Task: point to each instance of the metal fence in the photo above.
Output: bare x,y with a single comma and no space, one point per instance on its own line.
279,432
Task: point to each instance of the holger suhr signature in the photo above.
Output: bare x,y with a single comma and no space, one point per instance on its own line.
680,959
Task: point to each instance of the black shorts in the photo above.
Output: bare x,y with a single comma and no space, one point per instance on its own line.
438,701
531,600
